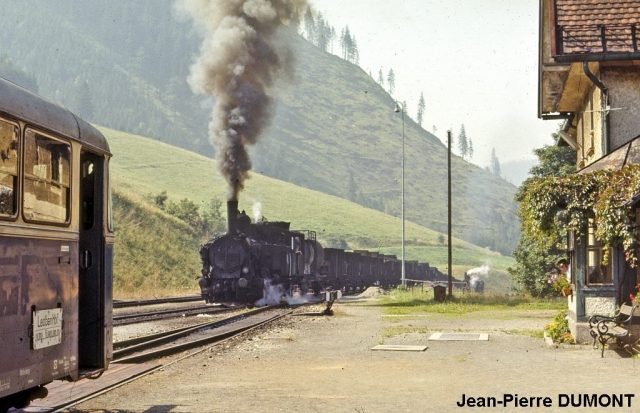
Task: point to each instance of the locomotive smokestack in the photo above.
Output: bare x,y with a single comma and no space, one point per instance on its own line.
232,217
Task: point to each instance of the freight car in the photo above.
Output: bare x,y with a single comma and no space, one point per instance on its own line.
56,241
253,259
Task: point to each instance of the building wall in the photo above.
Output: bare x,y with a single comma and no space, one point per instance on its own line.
623,84
590,130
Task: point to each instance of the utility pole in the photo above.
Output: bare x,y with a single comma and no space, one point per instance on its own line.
450,283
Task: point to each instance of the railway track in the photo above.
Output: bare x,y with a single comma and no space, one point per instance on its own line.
141,317
168,300
134,350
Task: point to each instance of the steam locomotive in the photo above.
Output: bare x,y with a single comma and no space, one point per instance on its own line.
253,258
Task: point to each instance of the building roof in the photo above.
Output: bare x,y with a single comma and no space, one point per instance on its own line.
596,26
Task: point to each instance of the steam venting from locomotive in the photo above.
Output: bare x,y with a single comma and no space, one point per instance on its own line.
239,62
475,274
256,209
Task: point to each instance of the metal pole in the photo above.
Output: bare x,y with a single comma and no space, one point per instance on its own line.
404,280
397,109
450,283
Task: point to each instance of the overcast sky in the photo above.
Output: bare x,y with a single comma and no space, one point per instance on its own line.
474,60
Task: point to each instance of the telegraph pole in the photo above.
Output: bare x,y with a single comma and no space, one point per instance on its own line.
450,283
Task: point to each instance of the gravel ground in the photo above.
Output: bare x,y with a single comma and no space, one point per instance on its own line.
324,364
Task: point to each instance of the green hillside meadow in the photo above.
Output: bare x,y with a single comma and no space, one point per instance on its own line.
158,253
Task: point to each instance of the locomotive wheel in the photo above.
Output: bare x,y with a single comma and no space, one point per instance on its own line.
304,288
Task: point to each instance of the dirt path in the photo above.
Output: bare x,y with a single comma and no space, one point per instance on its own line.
324,364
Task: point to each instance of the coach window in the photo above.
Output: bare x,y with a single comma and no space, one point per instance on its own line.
9,140
46,179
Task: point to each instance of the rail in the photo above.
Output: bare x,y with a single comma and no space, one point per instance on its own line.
138,303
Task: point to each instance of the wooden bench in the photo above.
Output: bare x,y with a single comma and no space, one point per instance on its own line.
605,328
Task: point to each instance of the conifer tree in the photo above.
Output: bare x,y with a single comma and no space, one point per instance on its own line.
321,36
354,53
325,33
391,81
346,42
495,163
310,26
421,107
463,143
470,149
380,78
332,37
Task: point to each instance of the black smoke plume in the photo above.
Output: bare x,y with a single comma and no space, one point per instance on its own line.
239,61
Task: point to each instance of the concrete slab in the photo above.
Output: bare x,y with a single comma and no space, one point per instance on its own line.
399,348
459,337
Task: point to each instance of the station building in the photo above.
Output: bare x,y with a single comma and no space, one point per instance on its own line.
589,76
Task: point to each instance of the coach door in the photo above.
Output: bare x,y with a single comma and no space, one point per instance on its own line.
91,284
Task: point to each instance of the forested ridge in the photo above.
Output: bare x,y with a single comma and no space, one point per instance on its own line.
124,65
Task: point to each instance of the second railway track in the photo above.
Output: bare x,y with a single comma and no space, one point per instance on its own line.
154,301
140,317
203,334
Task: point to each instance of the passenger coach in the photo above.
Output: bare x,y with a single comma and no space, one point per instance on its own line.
56,247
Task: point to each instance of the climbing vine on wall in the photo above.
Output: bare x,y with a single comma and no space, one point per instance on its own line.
604,195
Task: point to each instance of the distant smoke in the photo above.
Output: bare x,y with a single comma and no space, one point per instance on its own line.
257,211
475,273
484,270
238,64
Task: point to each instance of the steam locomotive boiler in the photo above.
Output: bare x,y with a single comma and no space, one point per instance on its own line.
255,258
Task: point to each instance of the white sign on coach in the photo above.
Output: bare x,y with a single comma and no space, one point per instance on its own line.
47,328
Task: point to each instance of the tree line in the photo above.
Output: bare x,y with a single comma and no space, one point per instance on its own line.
209,221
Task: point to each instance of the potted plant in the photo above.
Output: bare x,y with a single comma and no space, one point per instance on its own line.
560,283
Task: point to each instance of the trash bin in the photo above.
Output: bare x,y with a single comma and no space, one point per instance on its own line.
439,293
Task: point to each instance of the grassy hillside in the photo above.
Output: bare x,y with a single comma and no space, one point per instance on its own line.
143,166
155,254
334,130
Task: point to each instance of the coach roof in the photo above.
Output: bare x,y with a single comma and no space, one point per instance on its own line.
18,102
